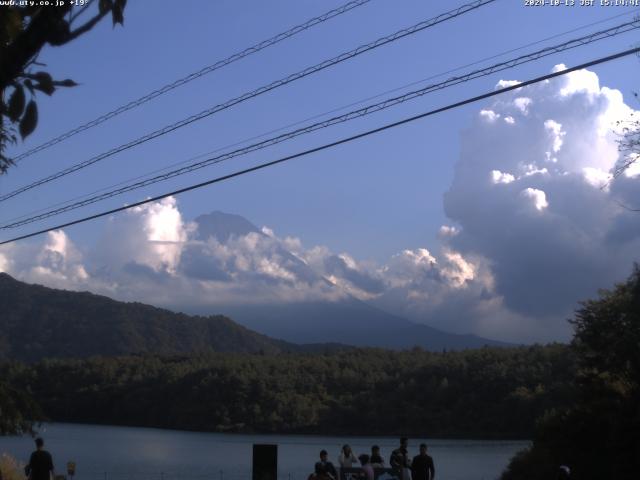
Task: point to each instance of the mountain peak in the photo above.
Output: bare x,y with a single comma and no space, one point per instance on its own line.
5,277
222,226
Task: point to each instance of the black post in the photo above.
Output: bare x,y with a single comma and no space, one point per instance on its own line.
265,462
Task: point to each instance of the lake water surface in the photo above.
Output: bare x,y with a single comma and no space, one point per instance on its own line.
126,453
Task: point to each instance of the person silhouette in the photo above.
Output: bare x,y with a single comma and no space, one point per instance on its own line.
399,460
41,463
422,465
347,458
324,469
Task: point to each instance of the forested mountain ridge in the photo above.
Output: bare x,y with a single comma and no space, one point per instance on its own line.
38,322
163,369
483,393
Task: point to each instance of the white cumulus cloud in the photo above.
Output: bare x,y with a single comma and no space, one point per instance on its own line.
538,198
551,235
535,225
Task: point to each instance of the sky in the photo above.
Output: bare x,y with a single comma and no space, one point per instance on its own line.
493,218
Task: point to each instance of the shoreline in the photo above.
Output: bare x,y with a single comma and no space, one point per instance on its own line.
440,438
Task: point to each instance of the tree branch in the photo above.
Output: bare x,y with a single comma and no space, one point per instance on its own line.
28,43
86,27
80,12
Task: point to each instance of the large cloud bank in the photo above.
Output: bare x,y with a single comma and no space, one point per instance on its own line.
534,195
536,225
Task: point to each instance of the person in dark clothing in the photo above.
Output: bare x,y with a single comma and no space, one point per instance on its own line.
422,465
376,459
41,463
324,468
399,459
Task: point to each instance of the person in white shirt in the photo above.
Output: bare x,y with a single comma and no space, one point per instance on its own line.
346,457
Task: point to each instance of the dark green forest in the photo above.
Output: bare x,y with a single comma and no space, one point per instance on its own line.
580,403
18,410
598,433
491,392
39,322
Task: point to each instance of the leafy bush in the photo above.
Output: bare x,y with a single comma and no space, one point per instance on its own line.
599,435
10,468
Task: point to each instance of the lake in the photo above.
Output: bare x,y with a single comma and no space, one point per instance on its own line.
127,453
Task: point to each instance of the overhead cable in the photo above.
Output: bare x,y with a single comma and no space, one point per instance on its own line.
326,146
192,76
361,112
319,115
264,89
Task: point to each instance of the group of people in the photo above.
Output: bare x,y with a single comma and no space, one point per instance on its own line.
402,465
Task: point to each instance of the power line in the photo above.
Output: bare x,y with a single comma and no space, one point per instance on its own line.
623,28
192,76
625,207
477,62
278,83
320,115
373,108
333,144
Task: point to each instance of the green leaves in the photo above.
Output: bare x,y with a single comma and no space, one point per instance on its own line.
65,83
117,12
607,336
48,26
45,82
116,7
597,432
16,103
19,411
104,6
29,120
12,24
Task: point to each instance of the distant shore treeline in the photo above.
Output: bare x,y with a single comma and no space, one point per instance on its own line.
483,393
580,403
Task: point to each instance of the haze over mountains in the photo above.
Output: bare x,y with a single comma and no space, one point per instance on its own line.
529,232
39,321
345,320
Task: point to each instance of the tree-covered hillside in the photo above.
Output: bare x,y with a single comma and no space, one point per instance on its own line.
490,392
598,434
18,410
39,322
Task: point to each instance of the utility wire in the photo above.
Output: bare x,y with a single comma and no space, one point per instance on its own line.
192,76
319,115
369,109
333,144
626,207
278,83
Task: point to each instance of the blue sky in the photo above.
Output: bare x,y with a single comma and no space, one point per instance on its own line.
371,198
